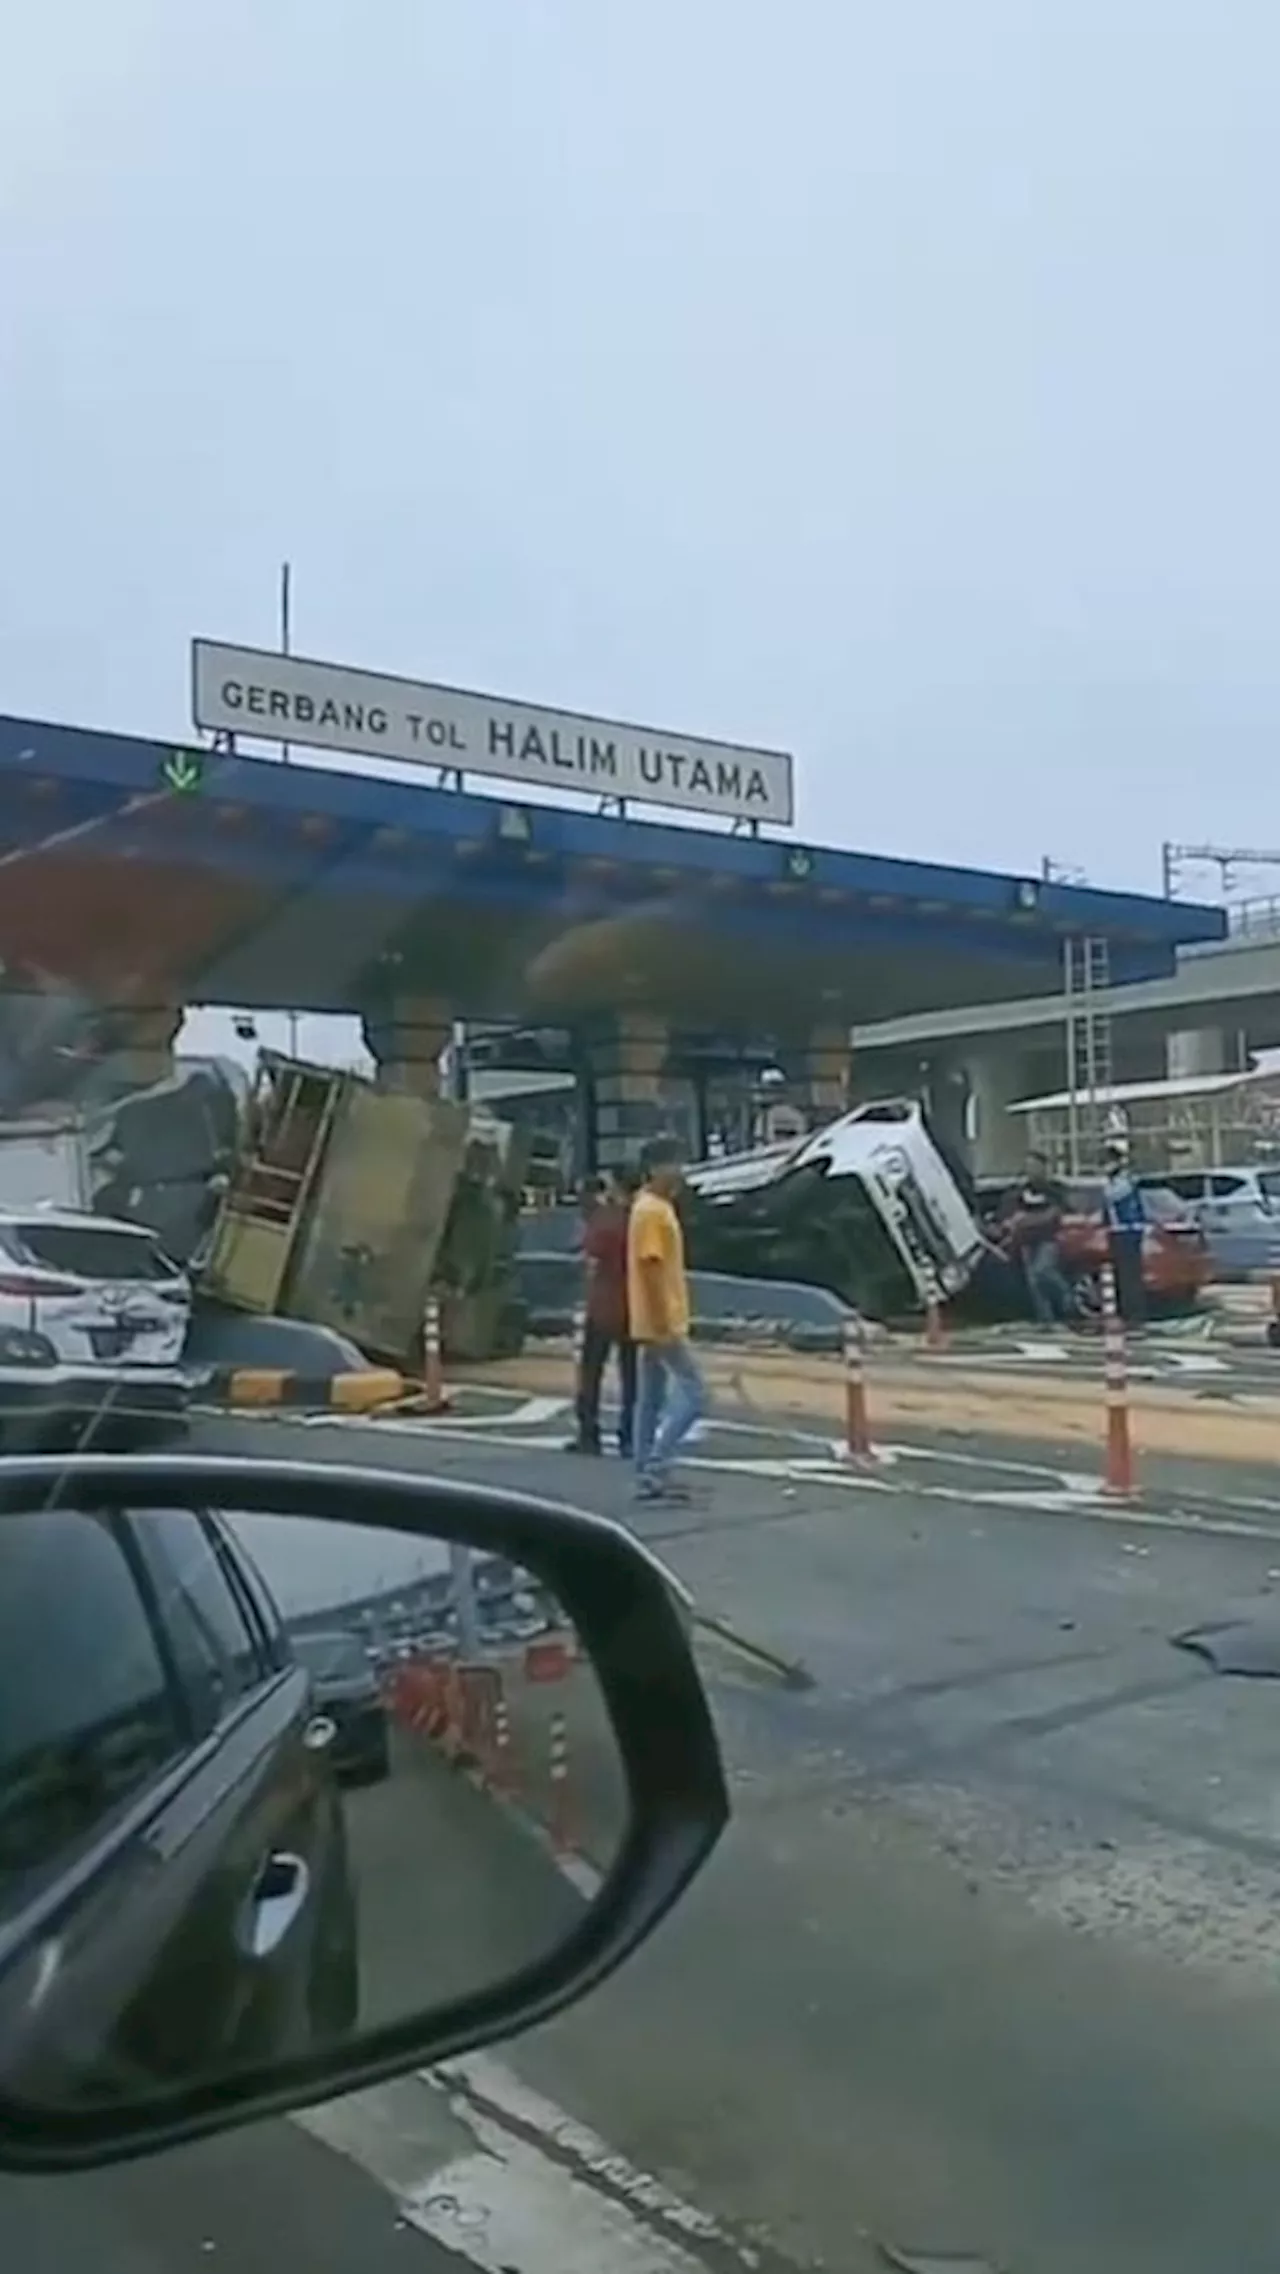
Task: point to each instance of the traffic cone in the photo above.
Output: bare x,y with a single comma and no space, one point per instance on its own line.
1119,1479
857,1430
501,1768
935,1328
549,1657
558,1769
435,1396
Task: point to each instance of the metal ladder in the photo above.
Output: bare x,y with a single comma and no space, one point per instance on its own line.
1086,989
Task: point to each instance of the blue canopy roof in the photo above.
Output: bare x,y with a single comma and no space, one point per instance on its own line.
509,905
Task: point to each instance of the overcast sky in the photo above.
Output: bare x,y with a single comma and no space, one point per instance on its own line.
898,384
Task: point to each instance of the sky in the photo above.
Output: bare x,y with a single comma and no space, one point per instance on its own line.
895,385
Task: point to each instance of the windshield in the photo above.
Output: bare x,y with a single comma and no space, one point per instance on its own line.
638,706
331,1657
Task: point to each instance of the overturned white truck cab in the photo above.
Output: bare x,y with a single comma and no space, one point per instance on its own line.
867,1206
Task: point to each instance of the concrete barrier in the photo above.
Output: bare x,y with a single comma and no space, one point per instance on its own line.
256,1388
725,1308
222,1338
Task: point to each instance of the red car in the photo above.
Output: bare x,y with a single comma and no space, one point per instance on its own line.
1175,1255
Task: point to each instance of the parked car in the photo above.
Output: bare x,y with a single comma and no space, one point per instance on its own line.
1237,1209
167,1806
93,1320
1175,1259
344,1685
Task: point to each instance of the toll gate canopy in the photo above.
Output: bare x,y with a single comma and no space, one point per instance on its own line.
246,880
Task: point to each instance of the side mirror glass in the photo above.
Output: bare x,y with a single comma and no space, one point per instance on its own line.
280,1791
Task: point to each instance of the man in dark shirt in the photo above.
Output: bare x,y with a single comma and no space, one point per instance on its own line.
1036,1219
607,1327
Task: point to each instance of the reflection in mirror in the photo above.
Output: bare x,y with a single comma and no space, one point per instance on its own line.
268,1783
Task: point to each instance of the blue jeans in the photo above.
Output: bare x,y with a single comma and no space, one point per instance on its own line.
669,1400
1046,1284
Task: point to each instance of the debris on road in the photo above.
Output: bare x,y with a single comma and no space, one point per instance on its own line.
1248,1647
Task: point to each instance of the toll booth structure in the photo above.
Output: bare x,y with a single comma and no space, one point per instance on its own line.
138,886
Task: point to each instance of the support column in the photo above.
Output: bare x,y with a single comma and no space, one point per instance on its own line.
632,1096
57,1041
826,1072
406,1038
998,1138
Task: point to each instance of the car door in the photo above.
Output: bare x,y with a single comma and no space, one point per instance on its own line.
1235,1221
95,1748
1269,1190
102,1293
274,1915
171,1843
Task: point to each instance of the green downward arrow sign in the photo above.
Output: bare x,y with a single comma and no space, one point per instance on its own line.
183,770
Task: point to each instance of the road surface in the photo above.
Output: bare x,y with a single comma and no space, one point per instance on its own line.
987,1962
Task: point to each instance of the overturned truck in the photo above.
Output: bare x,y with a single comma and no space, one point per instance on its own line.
348,1203
303,1193
868,1207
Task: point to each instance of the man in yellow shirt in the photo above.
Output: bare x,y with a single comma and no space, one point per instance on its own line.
669,1392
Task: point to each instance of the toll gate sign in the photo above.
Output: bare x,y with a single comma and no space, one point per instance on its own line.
254,693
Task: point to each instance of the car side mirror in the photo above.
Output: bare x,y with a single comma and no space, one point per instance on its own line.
311,1775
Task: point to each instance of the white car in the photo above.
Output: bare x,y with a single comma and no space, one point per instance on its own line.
93,1322
1237,1209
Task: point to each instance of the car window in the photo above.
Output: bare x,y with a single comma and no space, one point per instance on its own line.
331,1657
1185,1186
1222,1185
1164,1206
247,1578
93,1251
87,1716
1269,1183
218,1653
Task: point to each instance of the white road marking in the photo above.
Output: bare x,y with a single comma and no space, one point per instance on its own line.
1081,1359
1071,1492
640,2224
1075,1495
586,1877
499,2174
1064,1491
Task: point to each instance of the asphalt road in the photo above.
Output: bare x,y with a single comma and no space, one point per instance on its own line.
256,2201
453,1895
987,1963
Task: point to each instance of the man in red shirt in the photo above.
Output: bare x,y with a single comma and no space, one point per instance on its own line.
607,1327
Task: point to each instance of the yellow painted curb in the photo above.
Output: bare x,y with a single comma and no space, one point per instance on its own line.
255,1385
272,1386
360,1393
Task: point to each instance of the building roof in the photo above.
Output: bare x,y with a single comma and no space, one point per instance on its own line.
1142,1093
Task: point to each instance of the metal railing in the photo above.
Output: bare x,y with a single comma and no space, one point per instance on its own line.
1254,919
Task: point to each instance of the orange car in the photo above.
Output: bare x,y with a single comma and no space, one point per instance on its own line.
1175,1256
